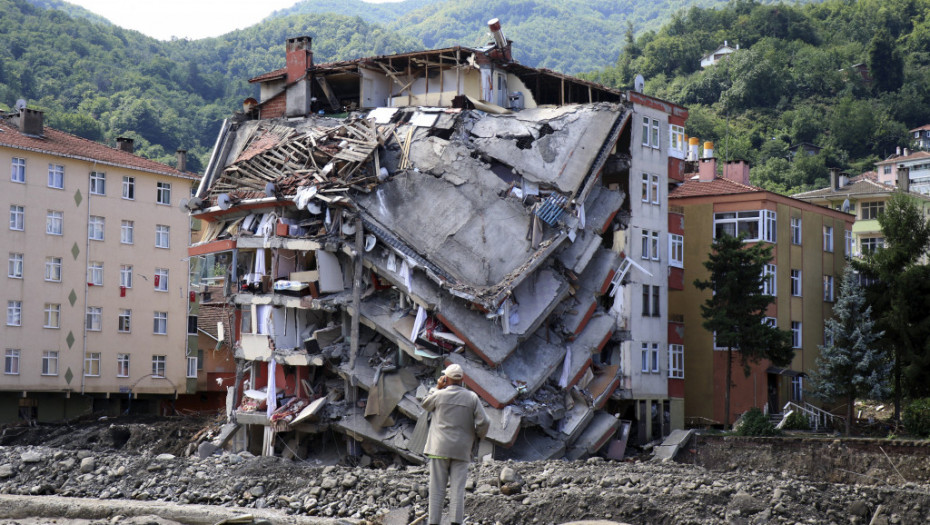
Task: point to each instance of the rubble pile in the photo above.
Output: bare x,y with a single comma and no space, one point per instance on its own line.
498,492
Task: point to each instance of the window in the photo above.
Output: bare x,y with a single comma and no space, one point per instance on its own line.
158,366
796,283
93,318
161,323
651,306
11,362
870,244
125,276
95,227
655,133
770,321
769,279
828,288
126,232
95,273
676,361
122,365
18,170
56,176
676,250
98,183
848,245
161,236
646,197
53,269
655,302
654,357
52,315
756,225
161,279
92,364
644,357
191,325
797,388
129,188
125,321
15,268
17,217
14,313
645,131
676,139
163,193
795,334
871,210
654,181
50,363
53,222
795,230
650,245
828,238
192,366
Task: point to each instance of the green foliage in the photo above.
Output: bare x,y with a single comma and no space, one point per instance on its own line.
796,421
916,417
755,423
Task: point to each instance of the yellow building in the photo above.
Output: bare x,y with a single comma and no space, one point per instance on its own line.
96,290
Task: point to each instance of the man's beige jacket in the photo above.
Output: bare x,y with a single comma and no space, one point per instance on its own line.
457,418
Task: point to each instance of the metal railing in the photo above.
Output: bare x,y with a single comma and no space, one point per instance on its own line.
819,418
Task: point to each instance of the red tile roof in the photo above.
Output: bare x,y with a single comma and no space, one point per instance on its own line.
56,142
922,128
277,73
718,186
900,158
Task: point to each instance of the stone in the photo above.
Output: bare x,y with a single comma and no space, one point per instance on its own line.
206,449
746,504
31,456
67,464
349,481
328,482
859,508
88,464
6,471
257,491
165,457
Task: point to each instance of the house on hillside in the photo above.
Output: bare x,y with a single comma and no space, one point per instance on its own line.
718,54
921,137
914,164
387,216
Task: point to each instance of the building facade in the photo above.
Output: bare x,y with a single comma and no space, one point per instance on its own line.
97,283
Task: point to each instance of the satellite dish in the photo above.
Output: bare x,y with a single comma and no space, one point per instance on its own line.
20,104
370,242
639,84
195,203
269,189
223,201
314,208
184,205
846,206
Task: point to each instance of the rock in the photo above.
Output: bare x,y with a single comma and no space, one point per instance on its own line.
507,475
329,482
165,457
67,464
84,454
6,471
234,459
88,464
746,504
206,449
859,508
257,491
31,456
349,481
364,461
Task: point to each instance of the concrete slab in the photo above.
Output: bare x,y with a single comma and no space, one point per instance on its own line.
672,444
505,426
378,315
576,418
481,335
597,275
575,256
577,311
606,380
602,427
365,377
496,390
535,360
601,208
535,299
392,438
532,445
596,333
578,362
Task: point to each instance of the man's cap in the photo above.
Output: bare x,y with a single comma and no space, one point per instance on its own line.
454,372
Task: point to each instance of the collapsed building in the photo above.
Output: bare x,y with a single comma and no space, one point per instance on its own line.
384,217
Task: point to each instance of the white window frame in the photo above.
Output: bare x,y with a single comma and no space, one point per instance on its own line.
129,188
96,228
644,357
17,217
125,276
15,266
769,280
828,288
676,141
159,366
160,323
98,183
796,283
54,222
796,334
124,321
160,280
676,250
93,319
644,244
770,321
56,176
91,364
654,358
162,236
14,313
769,226
646,131
646,197
654,188
53,269
11,361
654,245
796,231
676,361
122,365
50,362
656,141
95,273
127,232
191,367
163,193
870,210
745,217
18,170
828,239
870,244
52,316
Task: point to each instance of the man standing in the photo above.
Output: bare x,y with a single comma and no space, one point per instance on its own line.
457,418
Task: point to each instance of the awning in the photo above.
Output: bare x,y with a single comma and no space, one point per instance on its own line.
785,372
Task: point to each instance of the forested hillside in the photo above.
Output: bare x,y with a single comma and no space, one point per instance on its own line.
792,82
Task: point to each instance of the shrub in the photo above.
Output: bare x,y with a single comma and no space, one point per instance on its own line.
797,421
755,423
916,417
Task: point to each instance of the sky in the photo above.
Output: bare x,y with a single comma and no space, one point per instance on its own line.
163,19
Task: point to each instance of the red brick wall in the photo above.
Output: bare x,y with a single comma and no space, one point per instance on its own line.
275,107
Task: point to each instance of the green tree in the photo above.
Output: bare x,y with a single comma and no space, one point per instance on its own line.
735,312
900,289
851,365
885,63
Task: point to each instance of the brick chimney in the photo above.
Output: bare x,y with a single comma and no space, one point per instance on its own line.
125,144
299,59
182,159
707,171
30,121
834,179
904,179
737,171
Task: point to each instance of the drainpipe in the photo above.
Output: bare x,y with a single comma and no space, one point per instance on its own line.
86,262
